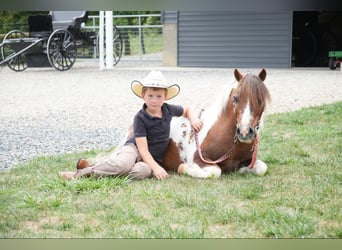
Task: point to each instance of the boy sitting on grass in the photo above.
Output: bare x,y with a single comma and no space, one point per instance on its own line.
141,156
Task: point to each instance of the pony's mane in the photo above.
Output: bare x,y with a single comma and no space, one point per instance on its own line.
256,91
221,100
212,114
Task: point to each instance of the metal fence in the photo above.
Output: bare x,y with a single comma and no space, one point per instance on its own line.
141,41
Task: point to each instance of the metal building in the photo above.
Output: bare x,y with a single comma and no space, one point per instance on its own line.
243,39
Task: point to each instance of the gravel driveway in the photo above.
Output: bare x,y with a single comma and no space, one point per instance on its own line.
47,112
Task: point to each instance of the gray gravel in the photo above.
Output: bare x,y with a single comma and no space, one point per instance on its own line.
47,112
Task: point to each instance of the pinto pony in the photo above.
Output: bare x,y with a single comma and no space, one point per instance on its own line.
228,141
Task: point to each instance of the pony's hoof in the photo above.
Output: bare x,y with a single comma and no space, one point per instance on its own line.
181,168
213,172
260,168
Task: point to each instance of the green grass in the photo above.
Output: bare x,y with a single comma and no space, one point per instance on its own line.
299,197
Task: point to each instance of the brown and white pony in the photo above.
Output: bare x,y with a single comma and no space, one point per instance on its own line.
228,140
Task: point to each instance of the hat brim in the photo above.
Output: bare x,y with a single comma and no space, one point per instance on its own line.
172,90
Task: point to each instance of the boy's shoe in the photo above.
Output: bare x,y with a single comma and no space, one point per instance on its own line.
82,163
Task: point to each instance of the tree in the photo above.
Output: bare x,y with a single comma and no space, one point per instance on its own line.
16,20
125,33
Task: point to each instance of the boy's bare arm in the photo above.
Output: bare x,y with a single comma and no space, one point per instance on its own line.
195,122
158,171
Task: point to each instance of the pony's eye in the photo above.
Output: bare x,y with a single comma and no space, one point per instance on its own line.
235,99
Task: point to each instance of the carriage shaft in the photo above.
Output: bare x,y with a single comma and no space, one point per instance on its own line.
21,51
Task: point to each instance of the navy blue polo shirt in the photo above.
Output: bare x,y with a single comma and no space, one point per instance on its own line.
155,129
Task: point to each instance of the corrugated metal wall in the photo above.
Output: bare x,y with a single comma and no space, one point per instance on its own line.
234,39
169,16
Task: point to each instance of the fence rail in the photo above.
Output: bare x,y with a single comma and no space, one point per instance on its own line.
141,42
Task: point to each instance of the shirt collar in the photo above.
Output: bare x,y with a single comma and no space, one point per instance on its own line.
164,109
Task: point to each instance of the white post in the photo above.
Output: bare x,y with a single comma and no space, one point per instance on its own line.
109,40
140,39
101,40
95,49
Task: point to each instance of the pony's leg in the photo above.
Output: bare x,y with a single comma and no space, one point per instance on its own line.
195,171
259,169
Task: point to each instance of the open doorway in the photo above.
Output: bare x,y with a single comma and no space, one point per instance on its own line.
314,34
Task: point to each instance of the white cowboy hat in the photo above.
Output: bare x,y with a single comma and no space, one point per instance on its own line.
155,79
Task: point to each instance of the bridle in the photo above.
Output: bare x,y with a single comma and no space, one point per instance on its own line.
232,149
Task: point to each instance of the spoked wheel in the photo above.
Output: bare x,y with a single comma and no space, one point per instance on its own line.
61,50
117,45
18,62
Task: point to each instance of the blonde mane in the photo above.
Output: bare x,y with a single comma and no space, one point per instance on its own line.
211,115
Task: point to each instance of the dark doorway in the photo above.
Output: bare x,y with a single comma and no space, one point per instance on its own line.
314,35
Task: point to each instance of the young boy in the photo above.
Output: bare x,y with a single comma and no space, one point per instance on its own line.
141,155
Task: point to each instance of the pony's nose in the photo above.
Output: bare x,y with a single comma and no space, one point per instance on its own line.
245,134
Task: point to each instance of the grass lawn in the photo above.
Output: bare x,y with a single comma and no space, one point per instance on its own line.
299,197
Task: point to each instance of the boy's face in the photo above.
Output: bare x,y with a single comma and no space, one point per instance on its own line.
154,98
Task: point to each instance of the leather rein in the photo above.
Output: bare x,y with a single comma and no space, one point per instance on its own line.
230,151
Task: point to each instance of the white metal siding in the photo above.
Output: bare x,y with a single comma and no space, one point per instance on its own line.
234,39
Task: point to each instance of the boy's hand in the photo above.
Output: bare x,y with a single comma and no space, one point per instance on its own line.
160,173
197,125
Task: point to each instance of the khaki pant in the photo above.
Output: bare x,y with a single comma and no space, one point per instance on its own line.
126,161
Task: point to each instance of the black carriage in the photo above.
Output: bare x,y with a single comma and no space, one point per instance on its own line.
52,41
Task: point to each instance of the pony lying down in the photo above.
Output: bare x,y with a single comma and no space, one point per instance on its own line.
228,141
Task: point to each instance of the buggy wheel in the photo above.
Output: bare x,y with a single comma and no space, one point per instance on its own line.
19,62
117,45
61,50
332,64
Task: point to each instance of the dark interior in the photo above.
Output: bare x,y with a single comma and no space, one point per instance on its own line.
314,35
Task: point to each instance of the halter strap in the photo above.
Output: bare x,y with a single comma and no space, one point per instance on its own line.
219,160
231,150
255,151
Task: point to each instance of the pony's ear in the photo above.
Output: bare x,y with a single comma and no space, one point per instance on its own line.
238,75
262,75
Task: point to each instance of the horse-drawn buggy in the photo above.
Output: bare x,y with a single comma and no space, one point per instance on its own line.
52,41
